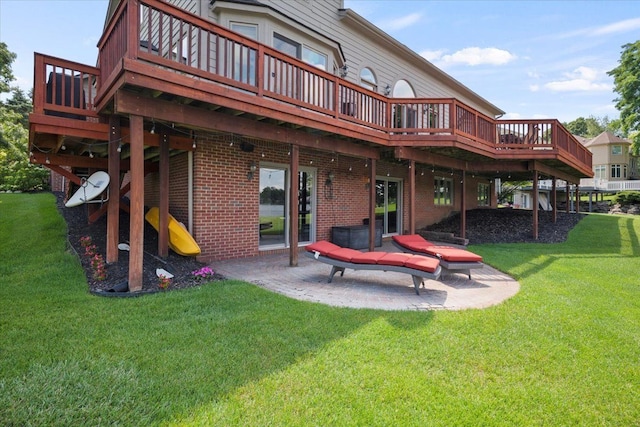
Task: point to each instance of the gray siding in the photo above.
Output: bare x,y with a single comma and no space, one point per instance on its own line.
319,25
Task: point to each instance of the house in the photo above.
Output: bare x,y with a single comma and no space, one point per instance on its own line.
614,167
263,124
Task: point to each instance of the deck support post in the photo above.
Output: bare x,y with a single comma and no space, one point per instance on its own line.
554,200
577,198
535,204
113,206
412,197
294,205
568,197
463,205
136,231
163,215
372,205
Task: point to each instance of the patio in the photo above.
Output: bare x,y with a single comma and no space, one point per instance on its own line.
370,289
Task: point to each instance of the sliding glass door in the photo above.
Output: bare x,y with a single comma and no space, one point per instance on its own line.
273,223
388,204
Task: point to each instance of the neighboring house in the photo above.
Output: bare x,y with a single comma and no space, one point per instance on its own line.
263,124
615,169
613,164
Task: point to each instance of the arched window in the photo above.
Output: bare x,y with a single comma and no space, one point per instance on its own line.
368,79
404,116
402,89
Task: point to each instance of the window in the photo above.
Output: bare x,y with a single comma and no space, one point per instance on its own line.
244,59
442,191
601,172
307,54
483,194
368,79
286,45
314,58
616,171
616,150
402,89
247,30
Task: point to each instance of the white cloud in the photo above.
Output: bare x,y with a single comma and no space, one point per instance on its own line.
512,116
623,26
478,56
582,79
618,27
400,23
534,88
432,55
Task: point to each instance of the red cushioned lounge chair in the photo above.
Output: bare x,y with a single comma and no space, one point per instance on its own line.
418,266
451,259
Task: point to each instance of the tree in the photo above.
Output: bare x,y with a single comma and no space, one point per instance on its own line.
592,126
626,78
577,127
20,104
17,173
508,188
6,74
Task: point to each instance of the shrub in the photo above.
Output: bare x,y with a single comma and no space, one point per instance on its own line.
627,198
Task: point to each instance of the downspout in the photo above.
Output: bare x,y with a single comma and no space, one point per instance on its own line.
190,190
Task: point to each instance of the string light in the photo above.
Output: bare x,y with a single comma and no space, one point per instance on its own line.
47,161
119,146
153,128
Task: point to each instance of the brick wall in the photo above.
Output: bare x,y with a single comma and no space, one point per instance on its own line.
226,201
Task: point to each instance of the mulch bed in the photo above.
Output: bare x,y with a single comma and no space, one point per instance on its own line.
483,226
510,226
117,274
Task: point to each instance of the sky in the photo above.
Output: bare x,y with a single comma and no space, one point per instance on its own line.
532,59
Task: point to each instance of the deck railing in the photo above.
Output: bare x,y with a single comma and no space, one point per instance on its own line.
171,38
65,88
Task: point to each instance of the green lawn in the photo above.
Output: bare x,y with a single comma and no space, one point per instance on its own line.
564,351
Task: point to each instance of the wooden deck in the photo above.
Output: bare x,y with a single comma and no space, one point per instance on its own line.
161,62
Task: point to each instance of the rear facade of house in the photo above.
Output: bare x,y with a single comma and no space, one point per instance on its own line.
263,125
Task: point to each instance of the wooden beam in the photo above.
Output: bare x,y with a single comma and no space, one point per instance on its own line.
547,170
113,208
176,142
535,204
66,173
554,199
412,197
131,103
293,205
49,160
463,206
163,221
42,123
136,231
427,158
372,205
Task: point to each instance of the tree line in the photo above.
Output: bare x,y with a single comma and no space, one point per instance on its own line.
17,173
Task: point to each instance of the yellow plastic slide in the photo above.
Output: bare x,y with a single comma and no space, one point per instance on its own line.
180,240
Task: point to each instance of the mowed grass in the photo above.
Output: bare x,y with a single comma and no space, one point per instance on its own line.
564,351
